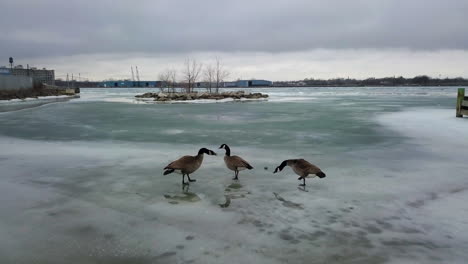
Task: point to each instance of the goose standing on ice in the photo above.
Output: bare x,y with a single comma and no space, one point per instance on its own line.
234,163
187,165
302,168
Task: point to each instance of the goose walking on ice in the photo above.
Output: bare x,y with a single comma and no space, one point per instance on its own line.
302,168
234,163
187,165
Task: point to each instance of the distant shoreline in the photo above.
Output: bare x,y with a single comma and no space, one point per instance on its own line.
272,87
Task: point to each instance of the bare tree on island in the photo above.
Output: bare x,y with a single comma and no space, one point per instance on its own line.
165,80
168,80
173,79
191,72
220,73
209,75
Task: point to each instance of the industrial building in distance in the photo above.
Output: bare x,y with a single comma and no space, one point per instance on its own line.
248,83
129,84
152,84
39,76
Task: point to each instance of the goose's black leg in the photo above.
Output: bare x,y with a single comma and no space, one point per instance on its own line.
183,179
235,175
303,181
190,180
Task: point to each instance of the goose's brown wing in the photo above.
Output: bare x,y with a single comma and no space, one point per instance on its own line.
180,163
240,162
304,165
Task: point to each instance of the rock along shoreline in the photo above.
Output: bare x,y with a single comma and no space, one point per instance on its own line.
167,97
38,92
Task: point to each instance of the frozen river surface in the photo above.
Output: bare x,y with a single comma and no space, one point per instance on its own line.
81,181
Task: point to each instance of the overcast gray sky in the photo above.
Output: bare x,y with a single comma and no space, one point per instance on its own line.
291,39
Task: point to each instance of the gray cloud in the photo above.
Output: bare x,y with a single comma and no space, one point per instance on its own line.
57,27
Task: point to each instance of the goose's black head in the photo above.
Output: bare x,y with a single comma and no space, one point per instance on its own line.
226,147
206,151
281,166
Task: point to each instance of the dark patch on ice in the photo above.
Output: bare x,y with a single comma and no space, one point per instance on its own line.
257,223
419,203
227,203
318,234
288,203
436,258
189,237
46,204
209,253
235,186
346,210
40,182
166,254
384,224
285,235
120,260
109,236
416,204
235,191
180,247
459,189
373,229
402,244
132,223
312,236
354,256
409,230
86,230
183,197
331,238
332,219
393,218
61,212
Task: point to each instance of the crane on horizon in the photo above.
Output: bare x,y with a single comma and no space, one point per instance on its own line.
137,76
133,77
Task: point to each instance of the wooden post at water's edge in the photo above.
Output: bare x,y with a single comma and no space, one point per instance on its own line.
460,98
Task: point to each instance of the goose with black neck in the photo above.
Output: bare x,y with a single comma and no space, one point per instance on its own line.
234,163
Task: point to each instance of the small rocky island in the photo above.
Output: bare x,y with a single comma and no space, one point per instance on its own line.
167,97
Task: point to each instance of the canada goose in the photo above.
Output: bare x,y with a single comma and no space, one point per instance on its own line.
234,163
187,164
302,168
